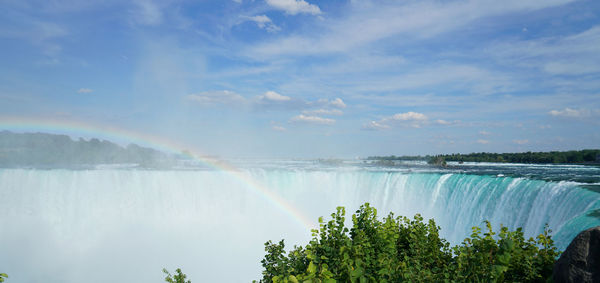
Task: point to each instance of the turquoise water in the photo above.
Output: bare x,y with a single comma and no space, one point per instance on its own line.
125,225
457,201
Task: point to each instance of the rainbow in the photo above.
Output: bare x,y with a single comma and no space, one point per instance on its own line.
74,128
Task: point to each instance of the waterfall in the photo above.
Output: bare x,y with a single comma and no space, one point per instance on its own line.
126,225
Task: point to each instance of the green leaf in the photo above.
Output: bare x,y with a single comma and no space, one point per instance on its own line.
311,268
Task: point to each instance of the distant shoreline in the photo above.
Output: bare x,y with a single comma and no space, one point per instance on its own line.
590,157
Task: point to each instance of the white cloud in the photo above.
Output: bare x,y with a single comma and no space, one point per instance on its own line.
571,113
278,128
334,112
263,22
482,141
412,119
521,141
338,102
294,7
367,22
312,119
273,96
484,133
559,55
408,116
373,125
85,90
271,100
323,102
217,97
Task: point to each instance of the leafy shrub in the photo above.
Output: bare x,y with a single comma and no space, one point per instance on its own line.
397,249
2,276
179,276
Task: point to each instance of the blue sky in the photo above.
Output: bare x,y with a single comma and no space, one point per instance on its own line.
307,78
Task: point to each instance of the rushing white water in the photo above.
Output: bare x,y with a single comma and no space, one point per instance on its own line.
126,225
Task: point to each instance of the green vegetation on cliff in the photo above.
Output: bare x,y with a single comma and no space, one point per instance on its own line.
50,150
573,156
555,157
397,249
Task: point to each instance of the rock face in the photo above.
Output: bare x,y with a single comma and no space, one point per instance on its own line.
581,260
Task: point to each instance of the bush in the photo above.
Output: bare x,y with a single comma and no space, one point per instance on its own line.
179,276
401,249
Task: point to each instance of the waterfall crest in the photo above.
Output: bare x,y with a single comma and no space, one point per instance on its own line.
95,225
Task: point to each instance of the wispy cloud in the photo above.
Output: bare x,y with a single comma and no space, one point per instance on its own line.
443,122
294,7
411,119
312,120
272,101
40,33
367,22
521,142
85,90
571,113
374,125
407,119
263,22
338,102
273,96
574,54
147,13
327,112
482,141
211,98
408,116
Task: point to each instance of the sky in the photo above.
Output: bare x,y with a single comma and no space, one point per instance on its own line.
308,78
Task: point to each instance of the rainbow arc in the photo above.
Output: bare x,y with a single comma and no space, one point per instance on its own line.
74,128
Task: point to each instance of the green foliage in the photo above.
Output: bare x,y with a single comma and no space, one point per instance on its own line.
179,277
574,156
510,258
2,276
397,249
437,161
50,150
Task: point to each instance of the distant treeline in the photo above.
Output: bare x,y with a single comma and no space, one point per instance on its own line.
555,157
572,156
50,150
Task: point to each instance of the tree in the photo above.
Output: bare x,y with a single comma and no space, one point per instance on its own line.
178,278
2,276
399,249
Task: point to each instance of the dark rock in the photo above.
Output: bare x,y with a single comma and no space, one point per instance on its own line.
580,262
